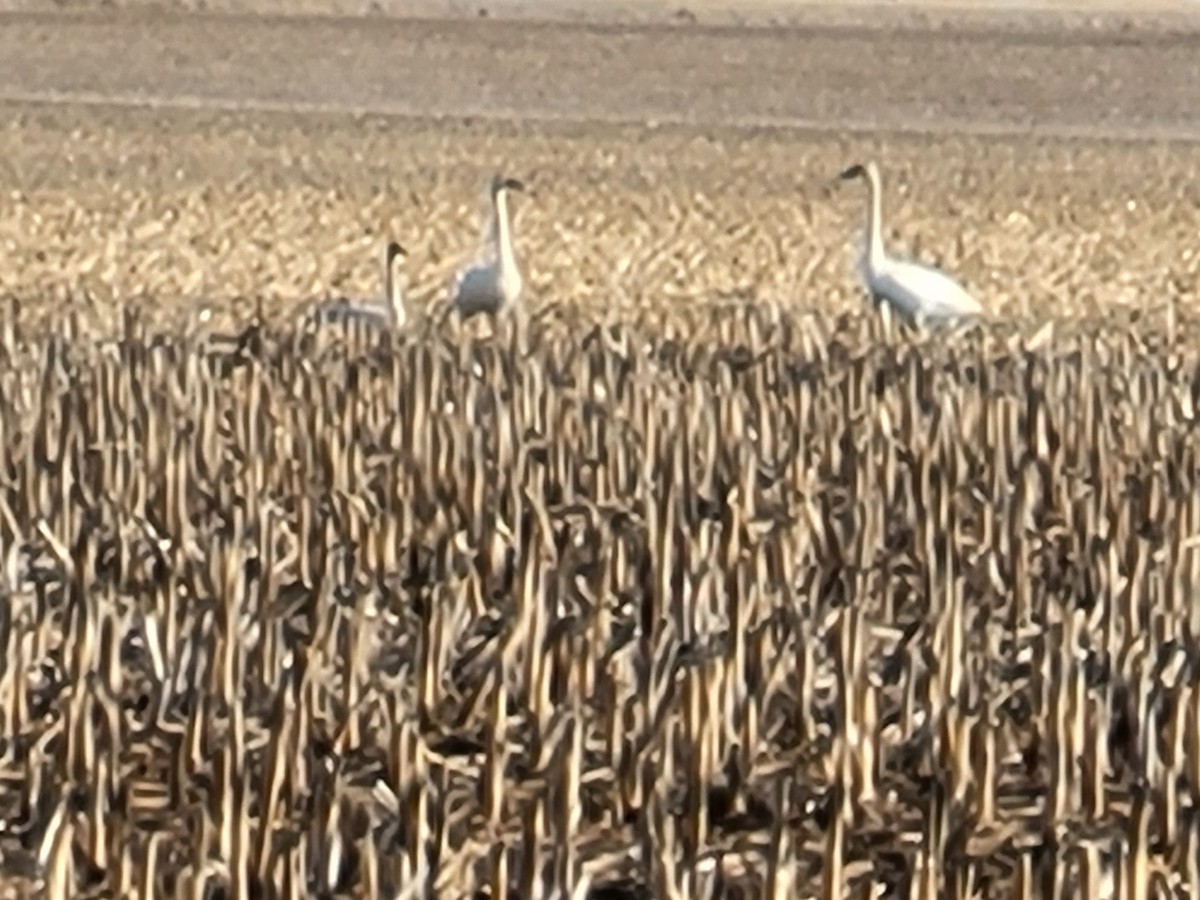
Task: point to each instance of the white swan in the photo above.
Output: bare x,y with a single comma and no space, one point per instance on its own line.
921,294
492,284
390,313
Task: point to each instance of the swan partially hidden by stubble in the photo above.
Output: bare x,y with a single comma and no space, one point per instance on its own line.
920,294
494,284
391,313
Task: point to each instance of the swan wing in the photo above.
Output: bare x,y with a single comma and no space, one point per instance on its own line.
475,288
922,293
351,312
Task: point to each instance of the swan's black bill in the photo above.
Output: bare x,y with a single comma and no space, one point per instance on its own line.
394,249
855,171
500,183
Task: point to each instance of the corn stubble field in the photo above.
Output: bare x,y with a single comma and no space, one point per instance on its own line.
718,603
681,599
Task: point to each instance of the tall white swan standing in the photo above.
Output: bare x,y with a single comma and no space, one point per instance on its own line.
492,284
920,294
371,313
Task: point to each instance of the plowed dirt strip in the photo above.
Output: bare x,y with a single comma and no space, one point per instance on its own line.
1072,82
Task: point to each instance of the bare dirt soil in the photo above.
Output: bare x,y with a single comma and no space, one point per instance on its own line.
1036,15
987,79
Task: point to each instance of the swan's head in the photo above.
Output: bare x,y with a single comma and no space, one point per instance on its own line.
860,170
395,251
500,184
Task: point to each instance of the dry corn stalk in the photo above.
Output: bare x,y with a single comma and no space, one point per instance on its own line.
745,603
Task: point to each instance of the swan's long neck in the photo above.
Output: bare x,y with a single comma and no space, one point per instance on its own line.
502,231
874,249
391,286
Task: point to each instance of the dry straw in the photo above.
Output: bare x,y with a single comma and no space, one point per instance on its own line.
744,604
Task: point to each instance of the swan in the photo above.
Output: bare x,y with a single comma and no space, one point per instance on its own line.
390,313
492,284
921,294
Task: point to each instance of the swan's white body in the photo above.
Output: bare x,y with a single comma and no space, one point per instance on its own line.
372,314
920,294
493,284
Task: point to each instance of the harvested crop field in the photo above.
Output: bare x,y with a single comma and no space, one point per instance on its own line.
696,580
202,210
724,605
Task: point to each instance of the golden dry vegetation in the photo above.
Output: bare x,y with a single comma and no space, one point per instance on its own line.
718,602
178,211
709,599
